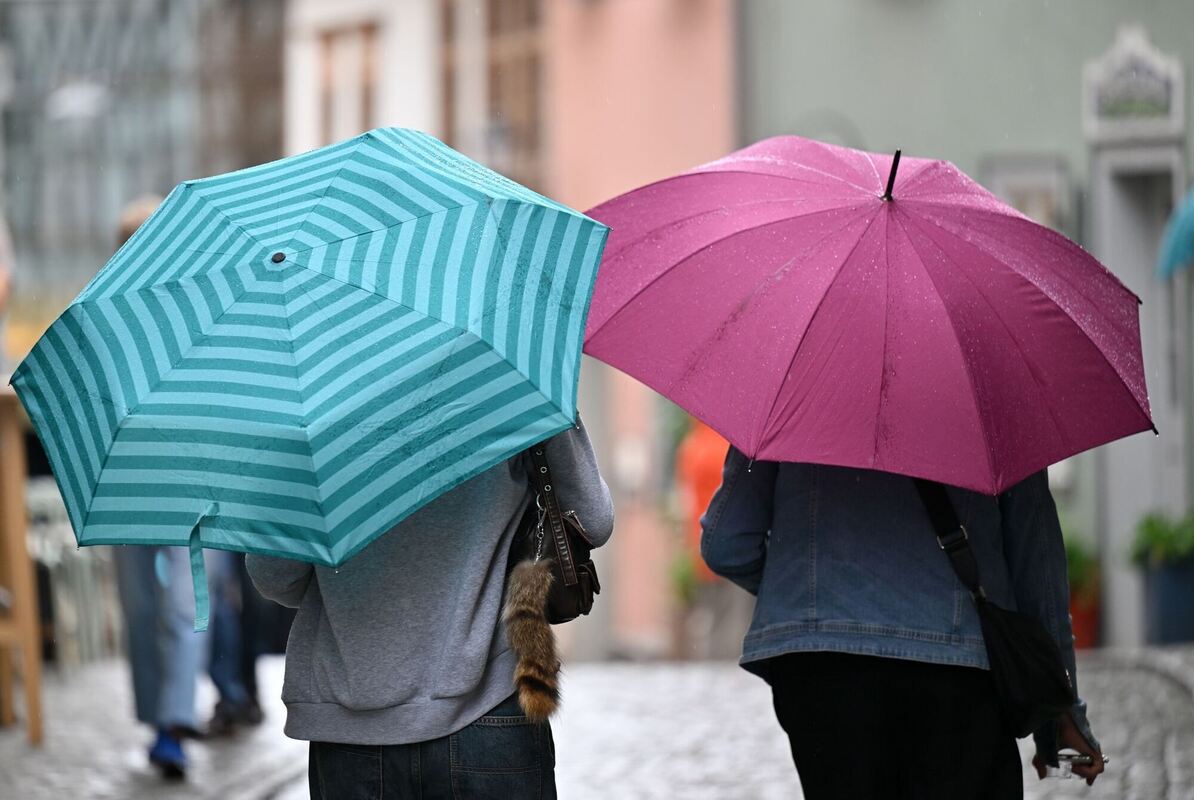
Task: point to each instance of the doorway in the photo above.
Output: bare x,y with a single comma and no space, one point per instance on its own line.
1133,191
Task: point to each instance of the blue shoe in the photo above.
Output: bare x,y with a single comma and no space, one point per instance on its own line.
166,754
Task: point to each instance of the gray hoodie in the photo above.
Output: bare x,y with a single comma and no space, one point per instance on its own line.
404,642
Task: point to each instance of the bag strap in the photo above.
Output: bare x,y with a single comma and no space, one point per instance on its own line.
541,477
951,535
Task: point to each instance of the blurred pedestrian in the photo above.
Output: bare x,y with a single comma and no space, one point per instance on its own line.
698,474
232,669
717,605
156,596
165,653
398,669
871,644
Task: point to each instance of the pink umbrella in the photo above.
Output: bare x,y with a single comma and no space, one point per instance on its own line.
783,297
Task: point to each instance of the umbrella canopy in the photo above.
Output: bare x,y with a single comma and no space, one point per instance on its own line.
781,297
1177,246
292,358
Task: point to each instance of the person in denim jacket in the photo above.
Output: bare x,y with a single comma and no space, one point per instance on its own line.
871,645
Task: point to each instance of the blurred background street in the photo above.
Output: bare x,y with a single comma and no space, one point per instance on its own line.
655,731
1076,112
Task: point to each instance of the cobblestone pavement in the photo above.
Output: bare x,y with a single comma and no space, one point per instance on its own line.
1142,710
668,731
95,750
627,731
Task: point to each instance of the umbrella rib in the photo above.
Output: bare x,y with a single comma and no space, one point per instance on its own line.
1031,368
781,162
912,174
187,186
503,356
610,255
107,398
869,158
227,218
463,331
303,422
373,292
497,231
488,203
965,363
1037,227
839,154
626,303
150,390
817,310
183,354
210,253
373,231
710,168
883,363
1048,297
347,159
829,150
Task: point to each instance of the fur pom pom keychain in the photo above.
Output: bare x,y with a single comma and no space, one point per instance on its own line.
542,590
531,637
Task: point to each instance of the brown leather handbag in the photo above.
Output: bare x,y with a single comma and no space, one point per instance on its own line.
546,532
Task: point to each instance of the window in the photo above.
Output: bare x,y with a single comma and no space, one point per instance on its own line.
514,85
348,81
506,130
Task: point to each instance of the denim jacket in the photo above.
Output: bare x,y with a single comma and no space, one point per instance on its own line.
846,560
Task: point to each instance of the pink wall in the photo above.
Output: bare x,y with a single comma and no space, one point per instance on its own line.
634,90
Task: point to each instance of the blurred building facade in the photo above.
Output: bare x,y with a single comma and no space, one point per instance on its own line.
579,100
1075,111
107,101
1083,126
100,103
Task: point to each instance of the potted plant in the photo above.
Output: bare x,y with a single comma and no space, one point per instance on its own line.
1082,565
1164,549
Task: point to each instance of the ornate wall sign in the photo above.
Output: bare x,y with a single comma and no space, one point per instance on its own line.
1133,92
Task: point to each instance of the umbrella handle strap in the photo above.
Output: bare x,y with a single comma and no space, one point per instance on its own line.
199,579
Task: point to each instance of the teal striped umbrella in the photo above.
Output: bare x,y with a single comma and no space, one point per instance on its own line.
292,358
1177,245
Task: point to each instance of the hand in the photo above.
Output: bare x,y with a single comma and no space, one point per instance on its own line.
1070,738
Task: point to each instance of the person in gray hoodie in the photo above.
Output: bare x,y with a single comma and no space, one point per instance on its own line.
398,669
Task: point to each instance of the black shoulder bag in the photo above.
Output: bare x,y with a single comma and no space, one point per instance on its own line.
558,536
551,579
1032,684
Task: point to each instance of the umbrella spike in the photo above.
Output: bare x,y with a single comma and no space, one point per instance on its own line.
895,165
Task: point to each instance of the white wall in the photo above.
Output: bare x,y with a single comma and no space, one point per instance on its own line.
408,79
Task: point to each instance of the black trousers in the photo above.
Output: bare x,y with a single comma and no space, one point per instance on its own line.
864,727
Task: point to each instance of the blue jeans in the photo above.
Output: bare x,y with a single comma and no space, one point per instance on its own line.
164,650
501,756
226,661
